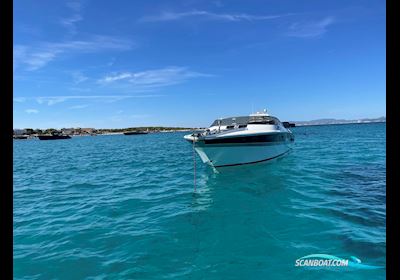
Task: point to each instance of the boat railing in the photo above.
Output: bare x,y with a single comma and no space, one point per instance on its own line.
219,130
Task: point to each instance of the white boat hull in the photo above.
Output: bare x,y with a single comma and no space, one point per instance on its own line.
242,140
238,154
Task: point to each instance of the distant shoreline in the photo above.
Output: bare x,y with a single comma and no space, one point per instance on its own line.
27,136
321,124
159,129
94,132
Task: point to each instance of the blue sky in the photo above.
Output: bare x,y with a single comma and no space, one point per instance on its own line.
115,64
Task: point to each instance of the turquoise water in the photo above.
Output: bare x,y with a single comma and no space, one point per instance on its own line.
123,207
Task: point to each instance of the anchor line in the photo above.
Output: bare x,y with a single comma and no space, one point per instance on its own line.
194,165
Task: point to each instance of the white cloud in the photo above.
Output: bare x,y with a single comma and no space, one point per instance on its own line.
74,5
19,53
27,29
31,111
153,78
116,77
36,57
19,99
310,29
170,16
70,22
51,100
138,116
78,77
112,62
298,29
78,107
80,89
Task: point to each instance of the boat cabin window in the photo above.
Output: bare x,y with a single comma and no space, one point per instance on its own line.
230,127
242,125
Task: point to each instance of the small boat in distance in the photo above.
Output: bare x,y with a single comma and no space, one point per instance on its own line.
288,124
136,132
54,136
242,140
20,137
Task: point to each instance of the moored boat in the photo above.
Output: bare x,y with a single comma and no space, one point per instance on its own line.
242,140
135,132
53,137
20,137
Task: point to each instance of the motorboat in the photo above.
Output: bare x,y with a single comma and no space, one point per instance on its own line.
20,137
242,140
53,136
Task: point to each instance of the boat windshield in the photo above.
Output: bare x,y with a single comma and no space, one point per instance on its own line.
263,120
244,120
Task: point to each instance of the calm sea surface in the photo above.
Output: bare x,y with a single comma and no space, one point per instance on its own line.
123,207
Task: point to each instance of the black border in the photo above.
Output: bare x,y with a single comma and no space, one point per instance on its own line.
6,126
392,151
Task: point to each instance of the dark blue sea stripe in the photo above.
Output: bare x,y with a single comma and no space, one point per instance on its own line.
266,138
258,161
